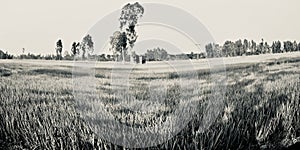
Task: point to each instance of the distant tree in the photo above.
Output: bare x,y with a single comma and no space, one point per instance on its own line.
276,47
217,50
87,45
273,47
228,49
102,57
162,54
245,46
130,15
5,55
213,50
74,49
239,47
209,50
49,57
124,39
156,54
267,48
253,46
295,46
287,46
2,54
78,48
150,55
59,47
83,49
191,55
119,44
109,57
260,48
225,49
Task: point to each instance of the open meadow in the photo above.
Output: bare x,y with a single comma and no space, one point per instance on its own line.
258,108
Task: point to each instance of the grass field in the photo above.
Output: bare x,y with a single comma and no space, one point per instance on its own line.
260,107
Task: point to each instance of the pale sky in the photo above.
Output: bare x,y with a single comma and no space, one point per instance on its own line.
36,25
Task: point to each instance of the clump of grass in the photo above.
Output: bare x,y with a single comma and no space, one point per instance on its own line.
51,72
173,75
173,96
100,76
5,72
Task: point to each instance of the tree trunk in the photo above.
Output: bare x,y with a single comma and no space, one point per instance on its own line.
131,56
123,55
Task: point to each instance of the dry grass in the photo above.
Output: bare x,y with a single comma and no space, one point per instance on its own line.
261,107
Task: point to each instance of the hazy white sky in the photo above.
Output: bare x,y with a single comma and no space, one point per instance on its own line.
37,24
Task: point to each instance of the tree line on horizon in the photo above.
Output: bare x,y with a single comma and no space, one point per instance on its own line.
78,50
82,50
247,47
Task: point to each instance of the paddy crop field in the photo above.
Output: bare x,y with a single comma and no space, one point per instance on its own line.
258,107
